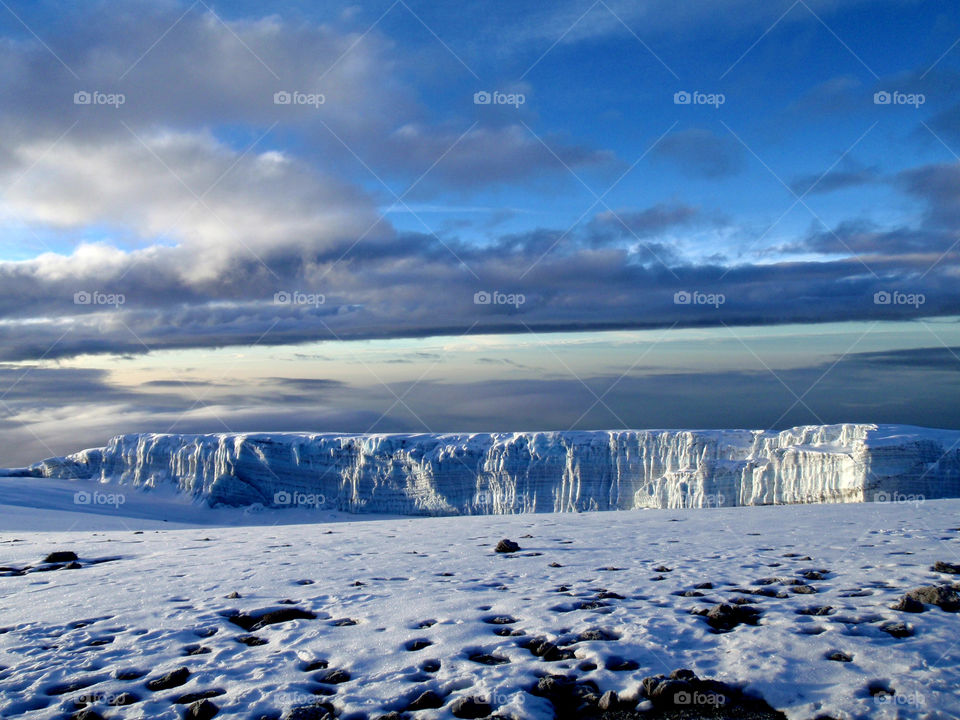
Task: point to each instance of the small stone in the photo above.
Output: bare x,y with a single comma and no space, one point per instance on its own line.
838,656
609,701
429,700
470,707
201,710
172,679
61,556
507,546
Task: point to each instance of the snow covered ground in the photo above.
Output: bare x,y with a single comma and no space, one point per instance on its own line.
394,598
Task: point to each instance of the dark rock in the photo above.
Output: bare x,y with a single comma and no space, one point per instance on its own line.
943,597
316,711
489,659
416,644
250,640
201,710
174,678
233,596
332,677
261,618
945,567
343,622
314,665
470,707
193,697
507,546
499,620
555,565
897,629
129,674
619,664
838,656
662,569
543,648
609,701
816,610
195,650
724,618
79,684
429,700
804,589
122,699
596,634
61,556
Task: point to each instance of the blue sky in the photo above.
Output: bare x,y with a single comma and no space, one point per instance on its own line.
798,198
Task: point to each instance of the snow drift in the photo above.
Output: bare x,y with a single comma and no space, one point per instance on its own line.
494,473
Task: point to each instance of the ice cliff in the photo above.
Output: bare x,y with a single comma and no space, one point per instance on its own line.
475,473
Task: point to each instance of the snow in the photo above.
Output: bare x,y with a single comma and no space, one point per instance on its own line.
161,590
503,473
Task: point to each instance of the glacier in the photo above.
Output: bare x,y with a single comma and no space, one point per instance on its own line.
514,472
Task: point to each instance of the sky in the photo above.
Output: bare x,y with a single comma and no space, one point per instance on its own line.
422,216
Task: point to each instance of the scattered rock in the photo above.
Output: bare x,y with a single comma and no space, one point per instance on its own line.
499,620
945,567
201,710
61,556
233,596
609,701
724,618
174,678
343,622
915,601
470,707
428,700
193,697
507,546
489,659
250,640
816,610
332,677
543,648
662,569
897,629
261,618
314,665
838,656
195,650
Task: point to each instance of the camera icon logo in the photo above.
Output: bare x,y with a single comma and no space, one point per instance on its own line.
681,98
81,497
881,297
282,297
82,97
282,497
881,98
681,698
82,298
681,297
481,98
282,98
481,297
881,497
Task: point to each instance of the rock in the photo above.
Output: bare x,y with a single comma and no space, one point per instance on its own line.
817,610
193,697
897,629
609,701
804,589
61,556
945,567
507,546
332,677
596,634
724,618
943,597
316,711
662,569
122,699
261,618
470,707
543,648
838,656
499,619
429,700
201,710
233,596
174,678
314,665
250,640
489,659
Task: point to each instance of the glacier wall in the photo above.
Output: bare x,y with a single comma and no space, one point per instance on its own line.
482,473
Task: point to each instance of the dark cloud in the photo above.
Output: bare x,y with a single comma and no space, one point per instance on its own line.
701,152
835,180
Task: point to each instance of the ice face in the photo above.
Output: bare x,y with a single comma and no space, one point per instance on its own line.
484,473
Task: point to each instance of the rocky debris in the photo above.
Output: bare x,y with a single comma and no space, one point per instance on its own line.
201,710
684,695
615,663
261,618
816,610
343,622
314,665
417,644
662,569
195,650
543,648
489,659
609,701
428,700
507,546
250,640
838,656
316,711
724,618
916,600
174,678
897,629
470,707
61,556
944,567
190,698
332,677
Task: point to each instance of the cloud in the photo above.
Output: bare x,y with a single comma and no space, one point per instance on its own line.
701,152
